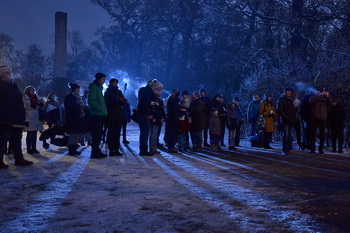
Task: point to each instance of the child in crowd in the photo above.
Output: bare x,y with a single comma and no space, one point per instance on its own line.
215,130
184,127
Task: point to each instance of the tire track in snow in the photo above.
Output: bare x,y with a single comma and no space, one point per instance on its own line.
292,219
36,216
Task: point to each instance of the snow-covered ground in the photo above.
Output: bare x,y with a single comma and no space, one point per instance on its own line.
251,190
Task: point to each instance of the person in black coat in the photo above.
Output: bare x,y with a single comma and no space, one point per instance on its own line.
172,120
337,118
12,118
198,121
208,105
144,115
74,117
287,112
114,99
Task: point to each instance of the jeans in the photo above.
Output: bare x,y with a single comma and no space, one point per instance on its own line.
231,137
321,125
287,138
252,125
145,127
214,140
154,135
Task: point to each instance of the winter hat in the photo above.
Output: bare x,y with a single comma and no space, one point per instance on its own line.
99,76
185,93
202,89
157,85
113,80
73,86
4,69
288,89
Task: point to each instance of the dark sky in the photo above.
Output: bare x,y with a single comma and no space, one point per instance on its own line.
33,21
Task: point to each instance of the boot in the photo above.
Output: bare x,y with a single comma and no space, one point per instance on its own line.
153,149
144,152
72,150
213,147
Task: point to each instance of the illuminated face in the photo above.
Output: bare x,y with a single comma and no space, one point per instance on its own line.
102,81
256,97
288,93
6,75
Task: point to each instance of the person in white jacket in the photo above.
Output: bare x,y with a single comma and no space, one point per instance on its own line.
32,105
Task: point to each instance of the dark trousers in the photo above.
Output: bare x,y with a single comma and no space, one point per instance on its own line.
113,134
196,137
14,136
31,140
267,136
298,132
96,133
238,133
337,134
145,129
206,130
124,130
223,126
321,125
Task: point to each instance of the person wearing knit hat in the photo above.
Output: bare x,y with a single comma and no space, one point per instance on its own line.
12,118
73,86
99,76
98,113
74,117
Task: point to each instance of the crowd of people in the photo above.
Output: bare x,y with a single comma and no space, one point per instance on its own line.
192,121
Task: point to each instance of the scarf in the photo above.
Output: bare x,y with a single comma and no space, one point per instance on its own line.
33,101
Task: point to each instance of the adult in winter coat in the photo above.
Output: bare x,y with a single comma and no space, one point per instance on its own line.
268,111
172,121
53,110
98,113
114,99
337,118
144,114
208,105
318,117
32,105
12,118
74,117
157,108
219,106
286,111
252,113
198,121
239,111
232,123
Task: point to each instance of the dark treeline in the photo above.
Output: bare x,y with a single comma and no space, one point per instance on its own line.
226,46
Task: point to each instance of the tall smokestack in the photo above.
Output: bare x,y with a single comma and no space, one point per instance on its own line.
60,44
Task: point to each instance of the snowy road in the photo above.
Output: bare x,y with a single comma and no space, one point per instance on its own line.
251,190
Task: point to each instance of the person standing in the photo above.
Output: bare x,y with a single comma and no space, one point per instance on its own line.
53,110
318,117
197,114
126,118
114,99
252,114
286,111
172,121
98,113
74,117
239,111
268,111
31,106
157,108
337,118
12,118
144,115
222,115
207,102
232,123
215,130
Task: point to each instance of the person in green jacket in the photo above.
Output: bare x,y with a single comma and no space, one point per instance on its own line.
98,113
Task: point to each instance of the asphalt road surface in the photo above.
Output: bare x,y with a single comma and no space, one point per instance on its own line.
249,190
